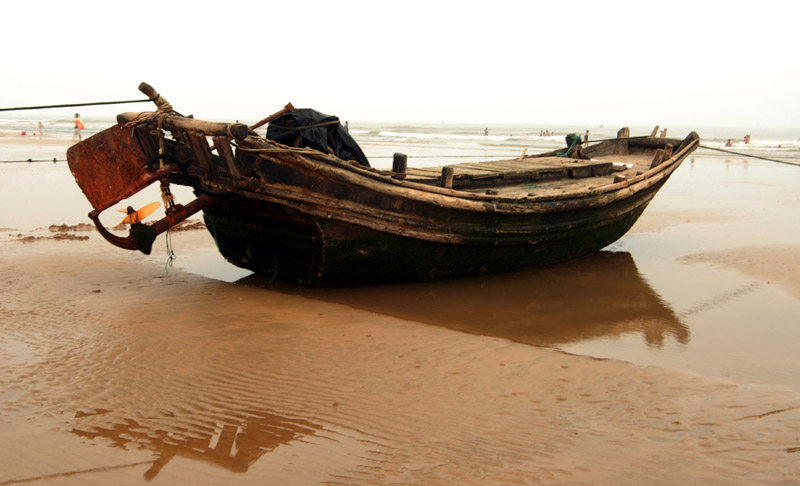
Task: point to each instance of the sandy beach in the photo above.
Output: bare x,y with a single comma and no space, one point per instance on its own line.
668,359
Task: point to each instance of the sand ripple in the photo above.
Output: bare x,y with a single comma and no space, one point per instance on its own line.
114,374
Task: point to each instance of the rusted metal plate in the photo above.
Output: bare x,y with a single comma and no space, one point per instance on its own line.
109,167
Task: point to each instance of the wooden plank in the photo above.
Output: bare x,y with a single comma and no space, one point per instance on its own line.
146,140
460,169
417,171
201,152
223,145
601,169
481,167
657,158
580,171
551,173
516,166
471,174
521,174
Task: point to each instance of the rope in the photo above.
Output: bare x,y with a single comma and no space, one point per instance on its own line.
516,154
161,114
574,141
171,257
750,155
54,160
20,108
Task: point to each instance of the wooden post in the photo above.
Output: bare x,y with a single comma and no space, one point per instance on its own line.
286,109
657,158
399,164
655,131
622,142
447,176
201,152
223,145
668,151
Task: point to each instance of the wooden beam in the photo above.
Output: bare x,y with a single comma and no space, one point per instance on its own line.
201,152
223,145
286,109
179,123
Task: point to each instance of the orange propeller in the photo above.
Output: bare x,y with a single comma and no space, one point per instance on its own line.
134,217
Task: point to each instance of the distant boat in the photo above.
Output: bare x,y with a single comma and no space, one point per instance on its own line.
304,205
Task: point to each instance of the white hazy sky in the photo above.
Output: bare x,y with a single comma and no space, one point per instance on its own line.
687,63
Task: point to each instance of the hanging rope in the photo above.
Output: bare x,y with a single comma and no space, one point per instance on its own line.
750,156
53,160
69,105
573,141
171,257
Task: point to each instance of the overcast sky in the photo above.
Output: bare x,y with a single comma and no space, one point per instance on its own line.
664,62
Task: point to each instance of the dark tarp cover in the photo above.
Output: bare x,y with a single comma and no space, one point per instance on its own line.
304,127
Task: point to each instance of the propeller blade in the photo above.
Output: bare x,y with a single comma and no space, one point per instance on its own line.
134,217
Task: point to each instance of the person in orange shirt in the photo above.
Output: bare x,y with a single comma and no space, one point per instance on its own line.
78,127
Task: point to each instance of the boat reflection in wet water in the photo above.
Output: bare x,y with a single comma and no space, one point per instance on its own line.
235,444
598,296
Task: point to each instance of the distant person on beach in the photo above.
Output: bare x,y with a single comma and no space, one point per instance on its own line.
586,137
78,127
729,143
347,126
747,138
40,129
485,132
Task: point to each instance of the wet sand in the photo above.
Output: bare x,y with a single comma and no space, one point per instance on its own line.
114,371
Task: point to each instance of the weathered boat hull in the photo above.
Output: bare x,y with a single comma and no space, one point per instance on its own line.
271,238
335,253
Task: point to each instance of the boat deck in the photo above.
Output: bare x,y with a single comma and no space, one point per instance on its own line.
534,175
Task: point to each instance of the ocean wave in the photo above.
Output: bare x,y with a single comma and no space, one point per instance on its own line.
435,135
766,145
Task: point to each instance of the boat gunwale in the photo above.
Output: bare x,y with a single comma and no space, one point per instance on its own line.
254,142
464,200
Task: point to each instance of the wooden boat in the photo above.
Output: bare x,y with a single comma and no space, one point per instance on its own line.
306,215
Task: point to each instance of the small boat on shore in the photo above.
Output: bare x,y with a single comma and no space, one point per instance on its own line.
303,204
